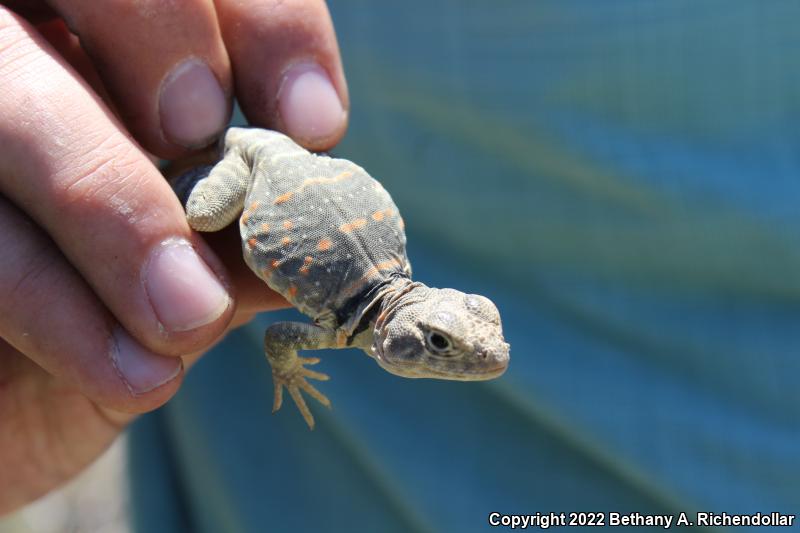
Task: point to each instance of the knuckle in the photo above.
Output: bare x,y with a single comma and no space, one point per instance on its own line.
28,259
87,16
16,42
105,176
28,286
9,23
294,15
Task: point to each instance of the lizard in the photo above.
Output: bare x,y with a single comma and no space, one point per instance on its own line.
327,236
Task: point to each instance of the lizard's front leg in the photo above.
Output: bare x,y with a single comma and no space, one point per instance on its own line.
281,342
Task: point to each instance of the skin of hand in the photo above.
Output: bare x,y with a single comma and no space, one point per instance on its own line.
105,293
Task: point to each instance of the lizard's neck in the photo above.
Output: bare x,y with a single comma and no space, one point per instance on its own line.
401,292
377,305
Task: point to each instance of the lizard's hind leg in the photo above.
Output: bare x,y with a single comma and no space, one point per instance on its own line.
281,342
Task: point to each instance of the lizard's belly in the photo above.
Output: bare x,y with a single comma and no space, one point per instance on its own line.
319,241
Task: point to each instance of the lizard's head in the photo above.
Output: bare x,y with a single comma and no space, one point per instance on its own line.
443,334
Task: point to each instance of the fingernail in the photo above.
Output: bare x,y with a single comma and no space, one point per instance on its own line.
183,291
308,104
141,370
192,105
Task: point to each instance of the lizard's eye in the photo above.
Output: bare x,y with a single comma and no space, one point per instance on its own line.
438,343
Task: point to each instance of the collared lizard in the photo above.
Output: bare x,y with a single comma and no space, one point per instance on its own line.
328,237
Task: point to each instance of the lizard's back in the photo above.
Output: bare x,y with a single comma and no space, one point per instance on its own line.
318,230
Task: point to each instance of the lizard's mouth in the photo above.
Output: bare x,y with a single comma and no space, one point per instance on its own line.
453,370
415,370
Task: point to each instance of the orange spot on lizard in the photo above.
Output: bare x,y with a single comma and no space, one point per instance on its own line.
251,242
354,225
286,241
265,227
292,291
312,181
283,197
386,265
324,244
306,264
315,181
247,212
377,216
287,224
369,274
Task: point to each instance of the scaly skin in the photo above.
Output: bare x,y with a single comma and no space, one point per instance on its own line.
328,237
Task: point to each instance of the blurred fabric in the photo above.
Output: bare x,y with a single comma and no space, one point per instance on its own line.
623,179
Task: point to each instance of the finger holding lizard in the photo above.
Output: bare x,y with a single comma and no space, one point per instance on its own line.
289,74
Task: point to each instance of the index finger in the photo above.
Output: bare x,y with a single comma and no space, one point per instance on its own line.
163,63
67,163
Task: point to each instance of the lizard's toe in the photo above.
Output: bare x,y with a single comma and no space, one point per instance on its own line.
301,405
277,399
314,393
315,375
295,381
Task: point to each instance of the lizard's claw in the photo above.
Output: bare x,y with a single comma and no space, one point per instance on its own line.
294,381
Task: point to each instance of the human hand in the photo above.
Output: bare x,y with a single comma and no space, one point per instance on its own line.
103,287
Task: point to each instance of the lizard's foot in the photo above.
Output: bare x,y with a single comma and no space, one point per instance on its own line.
294,380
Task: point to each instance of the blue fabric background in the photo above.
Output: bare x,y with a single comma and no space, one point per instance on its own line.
623,179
